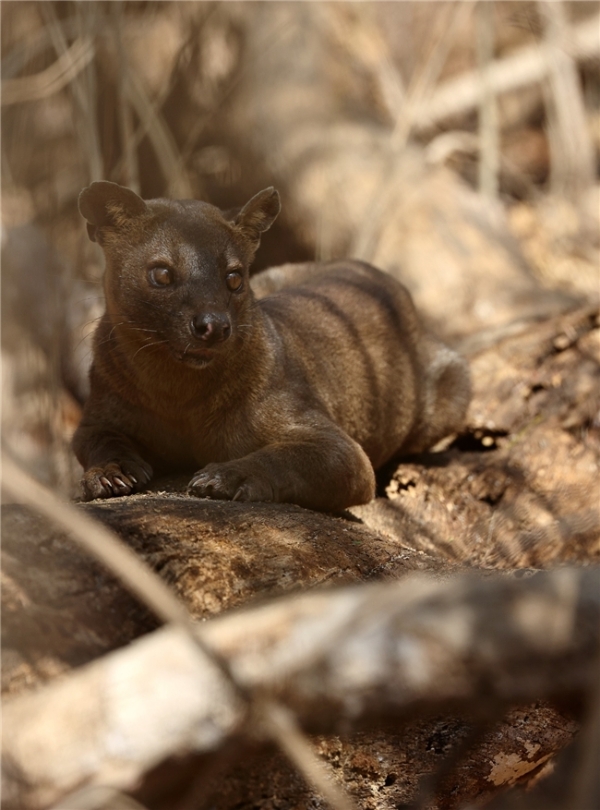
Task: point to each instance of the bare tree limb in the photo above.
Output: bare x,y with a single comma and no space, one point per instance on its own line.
333,658
526,66
280,724
143,582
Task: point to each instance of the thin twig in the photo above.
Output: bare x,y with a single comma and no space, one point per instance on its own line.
282,727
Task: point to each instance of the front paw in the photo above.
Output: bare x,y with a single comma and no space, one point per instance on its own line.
230,482
114,479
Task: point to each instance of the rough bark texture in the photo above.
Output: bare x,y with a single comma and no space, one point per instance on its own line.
517,490
520,487
336,659
61,609
332,103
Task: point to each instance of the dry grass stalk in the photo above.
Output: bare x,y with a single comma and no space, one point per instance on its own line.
49,81
423,84
82,88
281,726
160,136
131,168
573,165
489,152
526,66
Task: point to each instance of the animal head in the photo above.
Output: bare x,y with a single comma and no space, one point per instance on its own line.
177,271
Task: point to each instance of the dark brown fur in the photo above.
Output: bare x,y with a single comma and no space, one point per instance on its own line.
304,381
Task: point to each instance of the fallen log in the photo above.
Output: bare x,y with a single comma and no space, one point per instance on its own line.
334,658
61,609
517,489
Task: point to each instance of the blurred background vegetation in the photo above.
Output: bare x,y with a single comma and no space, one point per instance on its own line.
390,128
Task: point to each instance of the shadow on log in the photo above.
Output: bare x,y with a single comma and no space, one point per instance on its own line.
518,489
339,660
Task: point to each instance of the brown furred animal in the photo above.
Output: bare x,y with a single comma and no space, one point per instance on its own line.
292,388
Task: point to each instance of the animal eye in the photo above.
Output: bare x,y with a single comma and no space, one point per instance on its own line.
160,276
234,281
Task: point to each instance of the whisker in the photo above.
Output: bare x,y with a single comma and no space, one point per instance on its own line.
88,323
105,341
149,345
80,341
113,329
88,298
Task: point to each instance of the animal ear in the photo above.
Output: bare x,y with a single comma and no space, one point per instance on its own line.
105,203
258,214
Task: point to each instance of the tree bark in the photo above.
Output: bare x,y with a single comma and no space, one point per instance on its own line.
517,489
336,659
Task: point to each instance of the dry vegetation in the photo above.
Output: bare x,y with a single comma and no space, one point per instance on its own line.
456,145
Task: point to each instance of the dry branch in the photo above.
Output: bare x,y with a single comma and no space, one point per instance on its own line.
334,658
347,189
528,65
49,81
141,580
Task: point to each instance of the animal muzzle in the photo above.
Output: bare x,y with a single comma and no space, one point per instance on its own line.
211,327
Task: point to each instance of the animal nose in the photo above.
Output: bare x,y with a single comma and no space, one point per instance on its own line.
211,327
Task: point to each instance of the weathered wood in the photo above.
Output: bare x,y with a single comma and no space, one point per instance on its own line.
518,489
335,658
60,608
528,65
